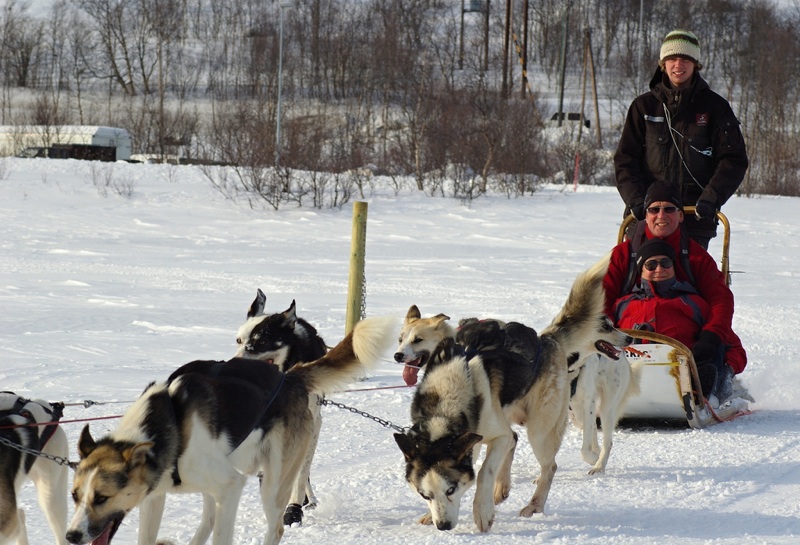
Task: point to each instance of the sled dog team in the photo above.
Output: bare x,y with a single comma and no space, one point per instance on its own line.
213,423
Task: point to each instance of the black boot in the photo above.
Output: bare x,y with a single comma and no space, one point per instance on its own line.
708,377
724,385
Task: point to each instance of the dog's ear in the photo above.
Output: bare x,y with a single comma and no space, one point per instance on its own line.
413,314
440,319
407,445
463,445
137,454
290,316
86,443
258,305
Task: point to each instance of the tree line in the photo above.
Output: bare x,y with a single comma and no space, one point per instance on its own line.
445,91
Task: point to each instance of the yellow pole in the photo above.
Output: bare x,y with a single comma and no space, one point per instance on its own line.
355,295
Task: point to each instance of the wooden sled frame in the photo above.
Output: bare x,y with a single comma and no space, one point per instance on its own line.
689,400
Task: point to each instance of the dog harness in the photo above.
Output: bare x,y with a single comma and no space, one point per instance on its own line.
18,409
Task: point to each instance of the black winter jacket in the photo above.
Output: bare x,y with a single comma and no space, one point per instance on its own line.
706,132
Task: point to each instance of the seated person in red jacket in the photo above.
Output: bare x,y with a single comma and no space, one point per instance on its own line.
662,303
663,219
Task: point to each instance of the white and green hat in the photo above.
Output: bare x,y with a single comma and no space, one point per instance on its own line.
680,42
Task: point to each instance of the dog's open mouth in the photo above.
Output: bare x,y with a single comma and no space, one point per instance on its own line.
608,349
415,363
108,532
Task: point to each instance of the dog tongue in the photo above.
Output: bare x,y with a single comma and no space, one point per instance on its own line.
105,536
410,374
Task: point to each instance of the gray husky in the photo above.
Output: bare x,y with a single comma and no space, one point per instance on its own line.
495,376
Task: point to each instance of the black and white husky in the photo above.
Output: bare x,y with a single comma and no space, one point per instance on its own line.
204,430
473,391
285,340
19,419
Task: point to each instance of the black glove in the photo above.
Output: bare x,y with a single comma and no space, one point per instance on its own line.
638,211
705,210
708,349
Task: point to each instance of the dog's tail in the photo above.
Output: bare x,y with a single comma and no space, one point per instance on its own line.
360,349
634,387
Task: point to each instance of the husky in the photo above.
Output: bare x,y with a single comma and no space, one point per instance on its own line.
205,429
601,387
419,337
285,340
20,424
471,394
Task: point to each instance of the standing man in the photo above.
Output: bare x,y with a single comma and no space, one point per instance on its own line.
683,133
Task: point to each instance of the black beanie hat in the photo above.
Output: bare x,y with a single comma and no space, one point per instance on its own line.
654,246
663,191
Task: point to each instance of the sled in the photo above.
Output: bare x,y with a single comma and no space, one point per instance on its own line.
670,387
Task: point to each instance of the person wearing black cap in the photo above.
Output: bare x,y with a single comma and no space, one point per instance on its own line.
682,132
666,305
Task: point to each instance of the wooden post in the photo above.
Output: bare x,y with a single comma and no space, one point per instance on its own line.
355,293
594,91
583,84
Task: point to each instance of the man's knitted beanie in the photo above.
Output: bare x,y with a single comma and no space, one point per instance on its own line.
654,246
663,192
680,42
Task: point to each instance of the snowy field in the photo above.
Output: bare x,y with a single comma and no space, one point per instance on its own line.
102,294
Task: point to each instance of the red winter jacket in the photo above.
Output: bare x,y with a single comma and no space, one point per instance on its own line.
708,281
680,314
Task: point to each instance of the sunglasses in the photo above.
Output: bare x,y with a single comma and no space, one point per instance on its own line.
667,209
651,264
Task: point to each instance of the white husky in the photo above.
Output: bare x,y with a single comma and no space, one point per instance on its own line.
603,388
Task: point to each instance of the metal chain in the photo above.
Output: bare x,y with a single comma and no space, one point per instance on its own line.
381,421
364,297
57,459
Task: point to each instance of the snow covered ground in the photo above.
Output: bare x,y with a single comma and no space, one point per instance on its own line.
102,294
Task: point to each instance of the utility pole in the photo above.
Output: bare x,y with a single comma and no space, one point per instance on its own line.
564,27
524,48
461,41
486,37
506,41
281,6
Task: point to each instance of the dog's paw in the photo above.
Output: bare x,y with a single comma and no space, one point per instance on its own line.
293,516
310,502
426,519
484,520
501,492
597,470
533,507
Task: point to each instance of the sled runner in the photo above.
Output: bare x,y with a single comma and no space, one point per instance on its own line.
670,387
